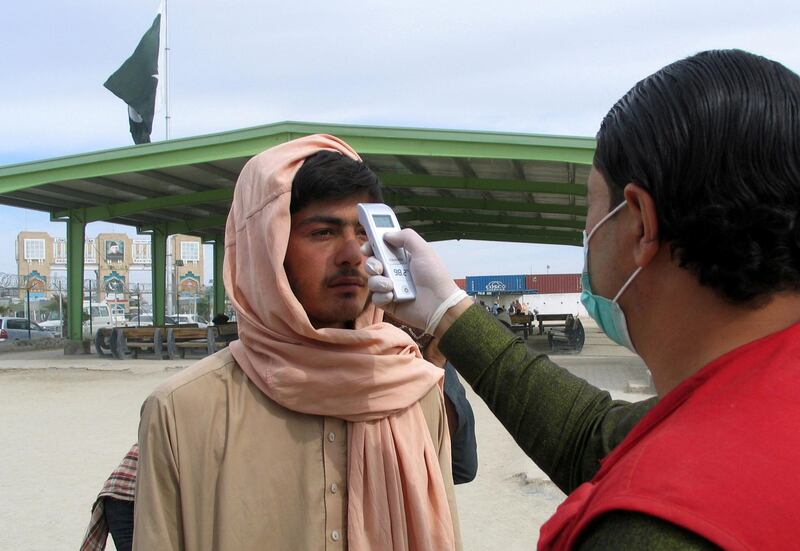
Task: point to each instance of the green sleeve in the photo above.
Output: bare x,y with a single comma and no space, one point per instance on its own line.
625,530
561,421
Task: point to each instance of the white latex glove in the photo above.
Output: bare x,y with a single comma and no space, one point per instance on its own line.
431,278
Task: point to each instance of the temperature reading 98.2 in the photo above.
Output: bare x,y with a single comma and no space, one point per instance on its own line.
379,220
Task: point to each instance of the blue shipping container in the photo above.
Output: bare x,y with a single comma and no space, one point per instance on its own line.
499,284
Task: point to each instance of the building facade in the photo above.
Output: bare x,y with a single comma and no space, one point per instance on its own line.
112,258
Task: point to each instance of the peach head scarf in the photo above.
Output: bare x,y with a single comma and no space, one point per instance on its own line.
372,376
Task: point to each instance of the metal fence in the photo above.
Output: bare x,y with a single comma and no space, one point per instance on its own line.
43,300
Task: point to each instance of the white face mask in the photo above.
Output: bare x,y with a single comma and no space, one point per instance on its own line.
607,313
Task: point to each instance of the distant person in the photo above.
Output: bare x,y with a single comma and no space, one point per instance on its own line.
321,427
220,319
692,260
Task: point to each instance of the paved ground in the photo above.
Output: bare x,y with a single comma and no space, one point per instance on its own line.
68,420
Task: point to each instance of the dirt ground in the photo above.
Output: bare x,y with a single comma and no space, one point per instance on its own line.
67,422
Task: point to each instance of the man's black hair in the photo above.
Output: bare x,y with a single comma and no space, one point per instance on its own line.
715,140
331,176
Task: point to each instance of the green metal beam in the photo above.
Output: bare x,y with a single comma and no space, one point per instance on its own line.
106,212
158,251
367,140
446,236
219,284
397,199
75,244
417,215
188,226
454,148
405,181
486,232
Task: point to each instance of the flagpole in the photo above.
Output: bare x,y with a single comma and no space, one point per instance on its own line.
166,72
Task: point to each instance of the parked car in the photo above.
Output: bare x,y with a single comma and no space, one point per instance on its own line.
52,325
147,319
100,317
192,318
14,329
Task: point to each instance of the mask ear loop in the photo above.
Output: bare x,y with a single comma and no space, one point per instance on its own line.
627,283
614,211
604,218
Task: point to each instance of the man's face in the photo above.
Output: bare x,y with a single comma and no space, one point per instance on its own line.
324,263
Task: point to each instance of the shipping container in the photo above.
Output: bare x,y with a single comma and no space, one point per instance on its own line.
461,283
546,284
556,303
495,284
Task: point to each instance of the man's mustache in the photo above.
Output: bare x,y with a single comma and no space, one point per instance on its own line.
346,274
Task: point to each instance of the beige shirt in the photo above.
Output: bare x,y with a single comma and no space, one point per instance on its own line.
223,467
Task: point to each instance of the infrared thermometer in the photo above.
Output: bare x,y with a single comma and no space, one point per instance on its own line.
377,220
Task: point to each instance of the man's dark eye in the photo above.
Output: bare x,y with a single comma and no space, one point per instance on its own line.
323,232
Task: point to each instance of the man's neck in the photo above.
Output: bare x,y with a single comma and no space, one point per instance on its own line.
316,324
687,326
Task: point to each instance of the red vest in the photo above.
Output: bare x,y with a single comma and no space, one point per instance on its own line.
719,456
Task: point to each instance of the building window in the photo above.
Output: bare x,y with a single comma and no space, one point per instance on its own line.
34,249
190,251
90,252
141,252
60,251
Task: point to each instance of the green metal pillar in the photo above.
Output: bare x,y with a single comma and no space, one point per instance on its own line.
219,284
158,251
76,227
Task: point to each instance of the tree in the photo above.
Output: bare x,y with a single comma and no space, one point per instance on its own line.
51,306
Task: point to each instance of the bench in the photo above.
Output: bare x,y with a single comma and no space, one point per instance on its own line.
570,339
127,342
181,340
522,322
551,320
130,341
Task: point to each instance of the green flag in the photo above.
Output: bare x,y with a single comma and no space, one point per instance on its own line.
136,81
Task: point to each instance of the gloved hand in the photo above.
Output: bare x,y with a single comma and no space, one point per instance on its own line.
431,278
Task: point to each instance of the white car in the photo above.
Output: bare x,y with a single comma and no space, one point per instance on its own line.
146,320
53,325
191,319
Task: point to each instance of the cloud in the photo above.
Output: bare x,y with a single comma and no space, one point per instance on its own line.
510,65
540,67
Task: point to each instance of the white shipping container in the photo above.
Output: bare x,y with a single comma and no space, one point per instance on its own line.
564,303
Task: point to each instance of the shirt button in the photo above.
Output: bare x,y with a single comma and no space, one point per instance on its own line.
335,535
334,488
331,437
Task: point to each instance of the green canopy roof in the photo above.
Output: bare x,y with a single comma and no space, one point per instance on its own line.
445,184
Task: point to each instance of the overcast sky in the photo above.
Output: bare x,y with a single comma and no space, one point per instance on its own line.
543,67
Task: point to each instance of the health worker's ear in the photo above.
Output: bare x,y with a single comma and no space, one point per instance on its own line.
644,222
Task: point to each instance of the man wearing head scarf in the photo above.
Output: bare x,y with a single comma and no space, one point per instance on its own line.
321,427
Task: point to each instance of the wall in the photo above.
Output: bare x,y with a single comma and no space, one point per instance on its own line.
560,303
